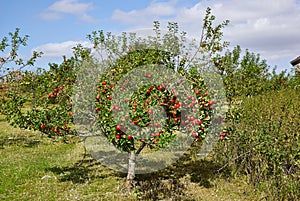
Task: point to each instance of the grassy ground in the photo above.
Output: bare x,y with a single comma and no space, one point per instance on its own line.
33,167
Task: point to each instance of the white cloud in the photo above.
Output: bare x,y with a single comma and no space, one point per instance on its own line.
57,50
73,7
70,6
154,11
51,16
269,27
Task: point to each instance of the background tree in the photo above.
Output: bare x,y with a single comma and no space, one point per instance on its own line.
246,74
10,62
42,99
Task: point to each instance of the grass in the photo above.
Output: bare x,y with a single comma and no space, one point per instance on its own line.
34,167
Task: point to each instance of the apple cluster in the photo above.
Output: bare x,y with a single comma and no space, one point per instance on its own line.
140,113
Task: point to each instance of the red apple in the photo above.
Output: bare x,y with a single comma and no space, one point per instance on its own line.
159,88
43,126
157,125
195,121
129,137
118,127
148,75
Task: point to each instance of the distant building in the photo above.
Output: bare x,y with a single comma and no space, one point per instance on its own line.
296,64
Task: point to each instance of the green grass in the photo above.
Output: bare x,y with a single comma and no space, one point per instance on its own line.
34,167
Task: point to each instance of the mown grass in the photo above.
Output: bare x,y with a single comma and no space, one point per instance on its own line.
34,167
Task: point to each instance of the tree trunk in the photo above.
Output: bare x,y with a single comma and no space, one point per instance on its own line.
131,170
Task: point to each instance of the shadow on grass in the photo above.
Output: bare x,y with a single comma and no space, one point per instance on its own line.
167,183
172,181
20,141
83,171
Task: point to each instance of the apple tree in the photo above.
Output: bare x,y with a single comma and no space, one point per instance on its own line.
11,63
149,91
42,99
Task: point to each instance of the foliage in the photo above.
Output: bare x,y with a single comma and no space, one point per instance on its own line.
10,62
244,75
141,102
41,100
264,143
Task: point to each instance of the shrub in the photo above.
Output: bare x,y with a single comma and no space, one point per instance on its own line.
264,143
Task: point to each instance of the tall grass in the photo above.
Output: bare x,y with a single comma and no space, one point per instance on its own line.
264,143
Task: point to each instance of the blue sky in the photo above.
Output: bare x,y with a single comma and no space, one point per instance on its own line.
268,27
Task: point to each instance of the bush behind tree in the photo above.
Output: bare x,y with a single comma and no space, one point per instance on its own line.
264,143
